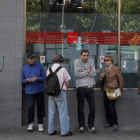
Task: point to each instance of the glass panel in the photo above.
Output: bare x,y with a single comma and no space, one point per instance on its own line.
130,43
94,18
56,2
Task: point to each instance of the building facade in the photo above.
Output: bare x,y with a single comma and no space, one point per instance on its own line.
11,47
56,26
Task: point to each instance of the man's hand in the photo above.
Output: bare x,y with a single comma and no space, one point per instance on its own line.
34,78
89,70
102,75
67,84
29,80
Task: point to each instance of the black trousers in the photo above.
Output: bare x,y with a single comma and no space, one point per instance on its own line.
87,93
110,110
40,107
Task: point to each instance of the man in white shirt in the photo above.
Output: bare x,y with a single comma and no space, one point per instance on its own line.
59,101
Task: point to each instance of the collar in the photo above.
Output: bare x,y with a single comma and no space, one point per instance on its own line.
84,62
56,64
108,68
32,64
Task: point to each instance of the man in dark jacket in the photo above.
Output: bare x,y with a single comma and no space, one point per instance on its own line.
33,76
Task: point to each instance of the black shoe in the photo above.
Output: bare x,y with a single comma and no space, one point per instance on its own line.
107,125
81,129
55,132
114,128
68,134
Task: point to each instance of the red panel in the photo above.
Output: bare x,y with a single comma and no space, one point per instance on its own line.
44,37
86,38
110,38
99,38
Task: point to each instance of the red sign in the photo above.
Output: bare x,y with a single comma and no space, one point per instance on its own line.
102,59
72,37
42,59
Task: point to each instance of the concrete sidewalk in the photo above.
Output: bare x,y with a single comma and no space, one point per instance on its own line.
101,135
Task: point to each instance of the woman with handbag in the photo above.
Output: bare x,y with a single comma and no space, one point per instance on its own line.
112,83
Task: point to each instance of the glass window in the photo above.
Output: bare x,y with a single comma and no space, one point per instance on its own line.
130,43
94,26
58,2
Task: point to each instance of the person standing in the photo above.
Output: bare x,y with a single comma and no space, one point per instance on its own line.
84,72
60,101
111,78
33,76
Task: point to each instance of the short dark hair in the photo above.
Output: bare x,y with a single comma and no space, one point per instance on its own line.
57,58
84,50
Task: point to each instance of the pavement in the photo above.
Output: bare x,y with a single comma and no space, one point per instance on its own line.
23,134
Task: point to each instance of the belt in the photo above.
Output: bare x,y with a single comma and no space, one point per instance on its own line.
87,87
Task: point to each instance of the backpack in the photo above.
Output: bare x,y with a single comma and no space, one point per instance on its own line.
52,83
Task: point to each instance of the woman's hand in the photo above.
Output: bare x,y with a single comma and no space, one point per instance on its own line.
102,75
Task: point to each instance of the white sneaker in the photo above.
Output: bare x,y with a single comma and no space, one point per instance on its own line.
92,130
30,127
40,127
81,129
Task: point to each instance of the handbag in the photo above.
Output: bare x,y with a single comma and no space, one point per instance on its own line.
113,94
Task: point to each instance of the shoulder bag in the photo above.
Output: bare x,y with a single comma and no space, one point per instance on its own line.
113,93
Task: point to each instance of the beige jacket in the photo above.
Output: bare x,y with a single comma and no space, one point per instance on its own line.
114,79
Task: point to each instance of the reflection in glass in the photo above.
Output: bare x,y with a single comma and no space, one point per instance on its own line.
95,16
130,65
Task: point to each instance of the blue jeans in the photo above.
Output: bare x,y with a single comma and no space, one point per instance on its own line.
59,102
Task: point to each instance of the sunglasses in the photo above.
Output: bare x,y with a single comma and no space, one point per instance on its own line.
106,60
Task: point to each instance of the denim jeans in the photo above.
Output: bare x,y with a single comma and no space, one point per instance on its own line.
40,107
59,102
87,93
111,114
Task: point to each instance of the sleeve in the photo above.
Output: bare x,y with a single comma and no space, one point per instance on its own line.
23,77
42,76
120,79
48,72
78,70
93,71
66,75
